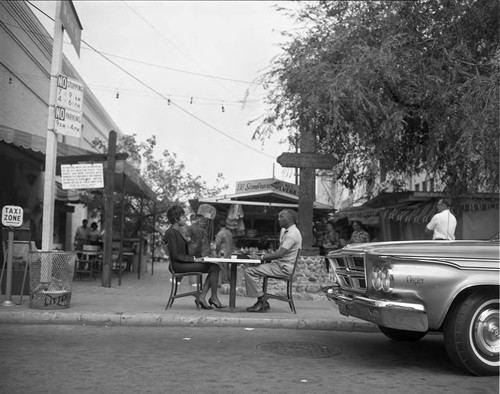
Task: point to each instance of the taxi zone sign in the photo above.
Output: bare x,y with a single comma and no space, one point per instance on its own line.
12,216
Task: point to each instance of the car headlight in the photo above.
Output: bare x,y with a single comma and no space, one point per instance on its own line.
382,279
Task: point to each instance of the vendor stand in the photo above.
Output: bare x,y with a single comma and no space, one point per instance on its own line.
252,212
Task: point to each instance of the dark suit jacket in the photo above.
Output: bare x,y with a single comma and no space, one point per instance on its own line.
177,246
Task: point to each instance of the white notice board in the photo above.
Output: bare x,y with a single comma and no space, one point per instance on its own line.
82,176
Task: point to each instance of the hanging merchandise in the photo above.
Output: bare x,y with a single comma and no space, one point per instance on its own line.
235,212
207,210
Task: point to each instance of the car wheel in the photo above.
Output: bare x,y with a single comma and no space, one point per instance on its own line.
402,335
471,333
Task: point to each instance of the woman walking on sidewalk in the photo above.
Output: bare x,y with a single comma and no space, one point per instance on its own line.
183,262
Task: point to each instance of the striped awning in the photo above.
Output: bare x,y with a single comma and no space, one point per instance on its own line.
357,212
413,213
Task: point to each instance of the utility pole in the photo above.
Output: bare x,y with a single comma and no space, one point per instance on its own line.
307,160
65,17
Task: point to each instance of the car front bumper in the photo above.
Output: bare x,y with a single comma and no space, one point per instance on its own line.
391,314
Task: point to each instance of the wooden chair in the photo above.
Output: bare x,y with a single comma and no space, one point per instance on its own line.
87,262
289,282
176,278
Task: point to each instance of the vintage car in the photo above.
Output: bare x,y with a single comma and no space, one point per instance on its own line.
411,288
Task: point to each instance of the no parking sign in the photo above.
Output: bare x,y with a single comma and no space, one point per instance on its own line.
12,216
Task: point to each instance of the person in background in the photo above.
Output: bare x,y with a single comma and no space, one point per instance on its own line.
282,261
359,235
183,262
224,247
443,224
331,240
197,238
82,235
344,237
94,235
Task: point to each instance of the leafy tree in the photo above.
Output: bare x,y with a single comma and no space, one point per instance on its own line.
165,175
394,89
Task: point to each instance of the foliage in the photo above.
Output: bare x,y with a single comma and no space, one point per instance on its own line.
165,175
395,89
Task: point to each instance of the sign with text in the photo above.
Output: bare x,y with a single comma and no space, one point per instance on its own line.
306,160
69,93
12,216
256,185
71,22
68,122
82,176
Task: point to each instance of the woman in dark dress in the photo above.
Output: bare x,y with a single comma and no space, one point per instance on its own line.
183,262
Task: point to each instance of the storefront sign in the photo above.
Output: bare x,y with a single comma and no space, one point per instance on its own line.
266,184
82,176
12,216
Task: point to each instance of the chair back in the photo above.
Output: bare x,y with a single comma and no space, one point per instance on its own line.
295,264
90,248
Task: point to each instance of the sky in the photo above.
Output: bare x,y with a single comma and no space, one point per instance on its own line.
203,56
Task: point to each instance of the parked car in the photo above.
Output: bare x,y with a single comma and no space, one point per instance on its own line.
411,288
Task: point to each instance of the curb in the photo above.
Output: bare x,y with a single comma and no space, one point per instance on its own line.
169,320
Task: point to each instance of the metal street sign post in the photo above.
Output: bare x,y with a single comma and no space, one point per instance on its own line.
65,18
12,216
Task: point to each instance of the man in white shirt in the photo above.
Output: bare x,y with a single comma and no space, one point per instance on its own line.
282,260
443,224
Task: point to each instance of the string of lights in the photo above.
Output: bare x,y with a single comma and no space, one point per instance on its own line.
167,99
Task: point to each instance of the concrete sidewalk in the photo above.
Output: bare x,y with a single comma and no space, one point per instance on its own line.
141,302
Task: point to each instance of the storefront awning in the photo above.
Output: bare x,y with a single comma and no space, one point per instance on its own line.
263,198
127,179
412,207
412,213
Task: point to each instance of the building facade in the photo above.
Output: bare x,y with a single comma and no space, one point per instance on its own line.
25,64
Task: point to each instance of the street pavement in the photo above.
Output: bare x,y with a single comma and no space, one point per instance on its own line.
141,302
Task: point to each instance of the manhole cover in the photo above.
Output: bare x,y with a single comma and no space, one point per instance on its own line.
299,349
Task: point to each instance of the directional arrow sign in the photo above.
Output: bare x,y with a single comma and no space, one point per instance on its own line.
306,160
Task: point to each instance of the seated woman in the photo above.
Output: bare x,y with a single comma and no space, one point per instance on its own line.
182,262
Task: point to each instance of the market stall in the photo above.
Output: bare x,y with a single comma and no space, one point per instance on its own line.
251,213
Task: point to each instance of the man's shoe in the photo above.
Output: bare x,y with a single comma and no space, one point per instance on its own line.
257,307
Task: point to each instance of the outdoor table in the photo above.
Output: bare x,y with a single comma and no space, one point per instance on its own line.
233,263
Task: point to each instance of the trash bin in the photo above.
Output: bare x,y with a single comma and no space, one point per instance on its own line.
51,277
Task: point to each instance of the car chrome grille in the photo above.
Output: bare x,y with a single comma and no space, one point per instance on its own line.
350,272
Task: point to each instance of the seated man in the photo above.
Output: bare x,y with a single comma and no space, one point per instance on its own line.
282,260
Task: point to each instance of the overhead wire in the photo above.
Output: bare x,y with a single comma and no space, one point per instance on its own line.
169,101
174,45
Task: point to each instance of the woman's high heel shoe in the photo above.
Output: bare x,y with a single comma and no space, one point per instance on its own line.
217,305
202,304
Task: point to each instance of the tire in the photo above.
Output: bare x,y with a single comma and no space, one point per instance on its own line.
471,333
402,335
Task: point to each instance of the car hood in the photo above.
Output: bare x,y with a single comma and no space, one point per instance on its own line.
429,249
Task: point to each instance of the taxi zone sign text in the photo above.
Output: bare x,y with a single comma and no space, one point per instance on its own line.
12,216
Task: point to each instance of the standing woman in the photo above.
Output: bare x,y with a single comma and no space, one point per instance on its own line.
182,262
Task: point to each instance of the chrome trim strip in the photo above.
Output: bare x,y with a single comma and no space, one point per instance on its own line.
379,303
